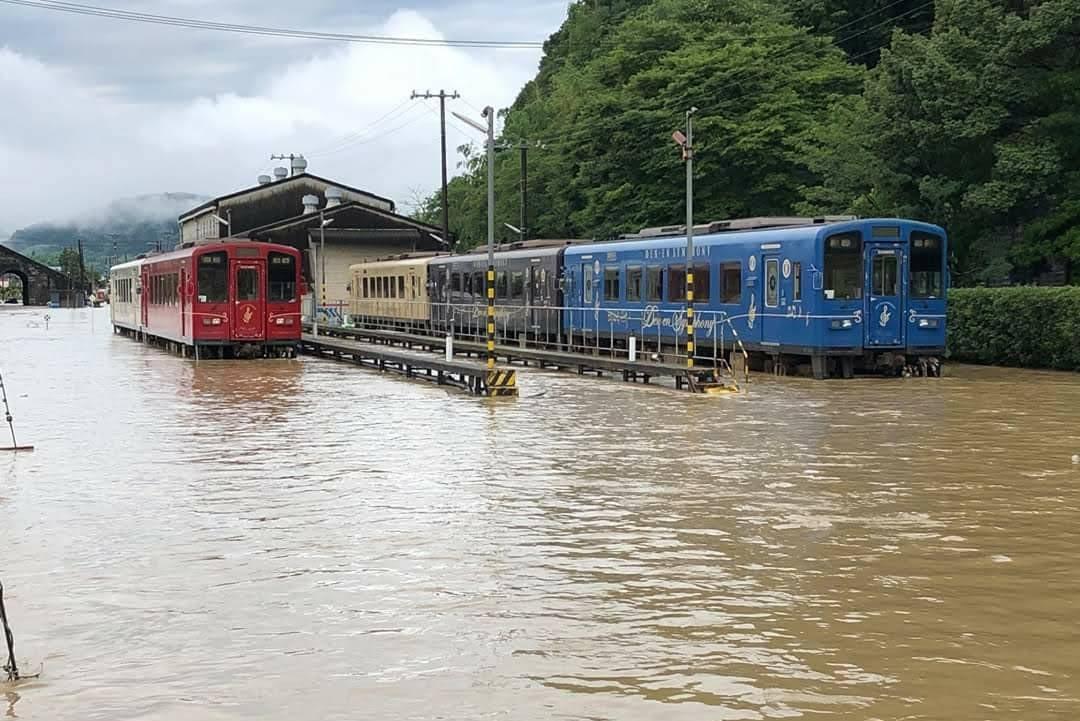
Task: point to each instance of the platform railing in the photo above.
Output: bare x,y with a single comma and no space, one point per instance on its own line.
659,333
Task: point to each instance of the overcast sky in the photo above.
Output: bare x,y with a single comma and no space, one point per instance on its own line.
97,109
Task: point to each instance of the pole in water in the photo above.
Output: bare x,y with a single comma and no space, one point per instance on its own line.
7,416
10,667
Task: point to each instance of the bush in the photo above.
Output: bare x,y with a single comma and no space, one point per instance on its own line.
1033,327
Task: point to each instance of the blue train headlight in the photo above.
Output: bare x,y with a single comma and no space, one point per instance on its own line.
928,322
840,324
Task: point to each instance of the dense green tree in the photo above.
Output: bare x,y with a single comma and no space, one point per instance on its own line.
615,83
976,127
862,28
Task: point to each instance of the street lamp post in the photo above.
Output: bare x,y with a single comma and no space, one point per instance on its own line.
687,143
318,273
489,115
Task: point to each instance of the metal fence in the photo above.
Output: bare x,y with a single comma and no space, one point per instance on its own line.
656,333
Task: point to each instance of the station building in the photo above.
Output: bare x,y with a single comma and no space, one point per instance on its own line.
308,212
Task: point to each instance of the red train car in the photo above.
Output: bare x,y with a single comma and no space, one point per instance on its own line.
233,298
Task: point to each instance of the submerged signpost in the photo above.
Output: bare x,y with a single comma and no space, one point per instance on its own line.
7,416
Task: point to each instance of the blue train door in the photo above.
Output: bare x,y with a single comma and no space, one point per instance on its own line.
771,326
885,302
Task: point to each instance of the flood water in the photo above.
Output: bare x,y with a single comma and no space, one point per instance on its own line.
306,540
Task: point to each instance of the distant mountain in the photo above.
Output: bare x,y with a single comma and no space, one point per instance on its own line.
124,228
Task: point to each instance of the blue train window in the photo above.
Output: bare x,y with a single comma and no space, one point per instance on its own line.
796,274
611,283
702,282
884,279
654,284
843,266
772,282
586,283
926,265
634,275
676,290
730,282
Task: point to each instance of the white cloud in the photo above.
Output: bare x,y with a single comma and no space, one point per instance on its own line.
78,146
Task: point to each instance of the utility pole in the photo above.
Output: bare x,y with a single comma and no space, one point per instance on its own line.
292,166
442,96
687,143
523,184
82,271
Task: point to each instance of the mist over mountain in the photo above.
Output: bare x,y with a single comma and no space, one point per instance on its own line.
122,229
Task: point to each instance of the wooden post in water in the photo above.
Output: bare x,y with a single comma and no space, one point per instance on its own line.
10,667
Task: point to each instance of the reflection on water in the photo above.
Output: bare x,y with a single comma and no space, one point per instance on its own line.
301,539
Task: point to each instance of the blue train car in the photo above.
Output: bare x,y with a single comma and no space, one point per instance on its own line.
840,297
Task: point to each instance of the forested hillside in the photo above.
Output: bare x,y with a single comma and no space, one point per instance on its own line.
958,112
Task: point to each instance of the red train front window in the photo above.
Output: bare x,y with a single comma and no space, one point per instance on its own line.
213,278
281,278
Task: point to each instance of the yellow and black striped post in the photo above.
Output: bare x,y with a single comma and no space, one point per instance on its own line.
501,382
689,316
491,318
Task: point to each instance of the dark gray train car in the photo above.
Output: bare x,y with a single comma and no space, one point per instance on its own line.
528,293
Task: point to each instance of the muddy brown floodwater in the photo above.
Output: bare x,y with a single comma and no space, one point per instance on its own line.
306,540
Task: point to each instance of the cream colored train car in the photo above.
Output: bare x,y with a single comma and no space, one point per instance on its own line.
125,295
391,290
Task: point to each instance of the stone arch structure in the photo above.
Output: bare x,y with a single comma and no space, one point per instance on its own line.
39,280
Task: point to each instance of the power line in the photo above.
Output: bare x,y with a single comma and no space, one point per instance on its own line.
330,148
373,138
885,22
858,20
198,24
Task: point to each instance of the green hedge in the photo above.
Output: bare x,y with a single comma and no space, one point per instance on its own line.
1027,326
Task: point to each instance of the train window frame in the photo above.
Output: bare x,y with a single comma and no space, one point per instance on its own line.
455,283
587,283
612,283
479,283
731,294
401,286
796,281
879,275
502,285
249,272
280,277
216,267
924,278
654,284
676,283
364,287
517,285
772,293
702,283
853,266
635,282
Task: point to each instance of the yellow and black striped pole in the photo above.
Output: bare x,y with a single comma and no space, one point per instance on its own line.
689,315
689,153
491,318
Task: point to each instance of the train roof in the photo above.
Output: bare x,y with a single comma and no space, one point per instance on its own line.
190,248
762,235
528,252
407,261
